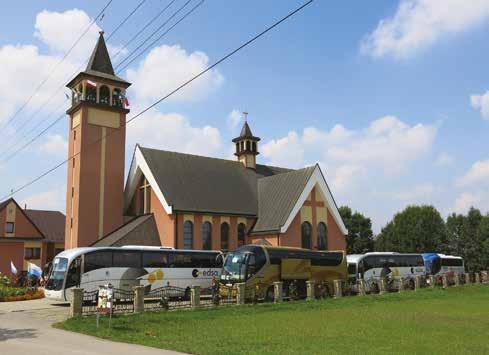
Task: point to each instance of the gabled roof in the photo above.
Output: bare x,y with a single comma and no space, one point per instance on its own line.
186,182
6,203
138,231
51,224
277,196
191,183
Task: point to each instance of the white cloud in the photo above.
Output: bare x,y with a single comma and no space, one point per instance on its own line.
47,200
387,144
416,193
444,159
234,118
417,24
174,132
287,151
55,144
478,173
464,201
167,67
481,102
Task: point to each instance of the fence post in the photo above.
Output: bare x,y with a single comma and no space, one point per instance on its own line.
277,291
401,284
444,281
382,286
432,281
467,278
138,299
76,302
477,279
361,287
457,279
240,293
195,296
311,291
417,283
484,276
338,289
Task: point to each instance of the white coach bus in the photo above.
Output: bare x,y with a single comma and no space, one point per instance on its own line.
441,264
373,266
126,267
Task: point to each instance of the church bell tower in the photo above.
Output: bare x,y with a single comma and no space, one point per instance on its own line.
247,146
97,135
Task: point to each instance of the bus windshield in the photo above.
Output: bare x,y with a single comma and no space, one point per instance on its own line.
234,267
57,276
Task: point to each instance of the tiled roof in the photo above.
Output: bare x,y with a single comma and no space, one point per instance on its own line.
277,196
50,223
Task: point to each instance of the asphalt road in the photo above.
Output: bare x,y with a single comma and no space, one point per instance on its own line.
25,328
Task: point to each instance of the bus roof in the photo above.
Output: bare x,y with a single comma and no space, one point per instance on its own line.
355,258
75,252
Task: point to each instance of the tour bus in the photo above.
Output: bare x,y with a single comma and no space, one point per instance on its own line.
126,267
441,264
259,266
373,266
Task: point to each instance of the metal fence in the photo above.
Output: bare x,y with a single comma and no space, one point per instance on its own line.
172,298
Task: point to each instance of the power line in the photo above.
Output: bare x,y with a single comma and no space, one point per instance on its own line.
143,29
31,117
154,32
215,64
12,118
127,18
188,13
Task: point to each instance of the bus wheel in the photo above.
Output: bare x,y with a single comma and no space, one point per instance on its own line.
270,294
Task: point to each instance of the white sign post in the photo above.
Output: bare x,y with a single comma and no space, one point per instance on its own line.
105,301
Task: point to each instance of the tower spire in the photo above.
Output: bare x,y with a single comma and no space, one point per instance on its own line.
100,59
246,145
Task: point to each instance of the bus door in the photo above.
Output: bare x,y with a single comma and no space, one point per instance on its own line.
73,276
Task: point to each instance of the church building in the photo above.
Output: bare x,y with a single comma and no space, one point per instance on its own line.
182,200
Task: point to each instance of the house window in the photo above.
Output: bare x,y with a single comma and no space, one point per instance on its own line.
207,236
322,236
9,227
188,235
241,234
224,236
32,253
306,235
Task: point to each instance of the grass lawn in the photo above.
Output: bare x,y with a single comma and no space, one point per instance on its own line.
428,321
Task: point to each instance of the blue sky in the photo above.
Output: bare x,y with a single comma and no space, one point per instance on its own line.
388,96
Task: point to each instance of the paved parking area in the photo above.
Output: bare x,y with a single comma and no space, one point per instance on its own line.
25,328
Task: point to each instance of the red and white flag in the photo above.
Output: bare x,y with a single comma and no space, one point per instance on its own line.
126,102
92,83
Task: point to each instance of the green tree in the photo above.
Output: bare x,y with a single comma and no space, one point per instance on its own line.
472,240
455,228
417,229
360,236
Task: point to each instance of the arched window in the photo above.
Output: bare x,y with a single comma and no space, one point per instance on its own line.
237,147
224,236
306,235
104,95
91,93
322,236
207,236
241,234
248,146
242,145
117,98
188,235
254,147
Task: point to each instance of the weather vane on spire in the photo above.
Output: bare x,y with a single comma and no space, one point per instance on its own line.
245,114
